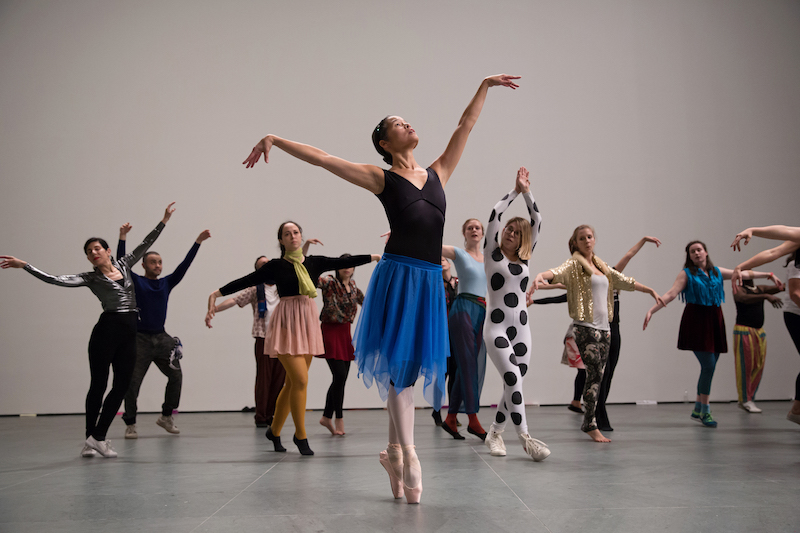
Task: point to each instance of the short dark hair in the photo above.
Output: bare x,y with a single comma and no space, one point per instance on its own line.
148,254
259,258
90,240
378,135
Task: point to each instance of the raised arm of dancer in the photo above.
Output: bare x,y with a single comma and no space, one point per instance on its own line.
622,263
761,293
521,186
447,162
123,235
69,280
779,233
762,258
308,243
647,290
727,273
671,294
369,177
133,257
180,271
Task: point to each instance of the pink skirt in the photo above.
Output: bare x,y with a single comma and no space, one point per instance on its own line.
294,328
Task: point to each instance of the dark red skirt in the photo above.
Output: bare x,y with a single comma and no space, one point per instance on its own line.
337,340
703,329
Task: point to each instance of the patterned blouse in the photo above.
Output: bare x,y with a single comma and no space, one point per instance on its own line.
450,292
338,305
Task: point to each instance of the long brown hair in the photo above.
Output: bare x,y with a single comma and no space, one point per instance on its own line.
690,264
573,241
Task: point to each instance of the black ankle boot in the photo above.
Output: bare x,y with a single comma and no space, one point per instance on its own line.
276,440
302,445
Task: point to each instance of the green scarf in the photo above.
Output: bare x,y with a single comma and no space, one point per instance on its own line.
303,279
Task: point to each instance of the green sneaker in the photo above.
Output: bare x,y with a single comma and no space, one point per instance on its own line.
707,421
697,415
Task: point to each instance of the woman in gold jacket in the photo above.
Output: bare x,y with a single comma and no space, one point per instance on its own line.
589,280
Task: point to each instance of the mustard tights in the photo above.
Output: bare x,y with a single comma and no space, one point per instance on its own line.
293,395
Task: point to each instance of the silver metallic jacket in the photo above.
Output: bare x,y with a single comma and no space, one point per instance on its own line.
113,297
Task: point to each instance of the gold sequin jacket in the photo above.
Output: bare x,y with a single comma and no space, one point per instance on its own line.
576,275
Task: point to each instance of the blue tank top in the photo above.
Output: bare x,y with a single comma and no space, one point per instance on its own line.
416,216
703,290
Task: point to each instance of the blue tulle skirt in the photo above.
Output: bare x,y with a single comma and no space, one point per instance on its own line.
402,329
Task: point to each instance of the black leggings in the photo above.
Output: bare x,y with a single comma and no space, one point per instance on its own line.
792,322
112,344
580,382
335,399
608,374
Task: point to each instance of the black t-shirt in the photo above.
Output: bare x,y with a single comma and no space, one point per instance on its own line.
416,216
750,315
280,272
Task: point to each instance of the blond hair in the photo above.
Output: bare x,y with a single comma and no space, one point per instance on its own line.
524,227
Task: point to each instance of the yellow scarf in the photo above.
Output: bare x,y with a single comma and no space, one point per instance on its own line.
303,279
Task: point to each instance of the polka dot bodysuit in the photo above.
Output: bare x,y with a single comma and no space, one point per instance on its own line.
506,331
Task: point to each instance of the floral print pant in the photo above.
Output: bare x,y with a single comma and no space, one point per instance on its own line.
593,345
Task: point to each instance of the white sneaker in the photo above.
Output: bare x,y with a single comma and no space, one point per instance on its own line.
168,423
495,443
130,432
537,449
88,451
750,407
103,447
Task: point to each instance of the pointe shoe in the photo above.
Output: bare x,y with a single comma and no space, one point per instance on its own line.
393,468
411,461
276,440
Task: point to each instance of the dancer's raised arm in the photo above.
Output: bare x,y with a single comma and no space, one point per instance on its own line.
446,163
622,263
779,233
369,177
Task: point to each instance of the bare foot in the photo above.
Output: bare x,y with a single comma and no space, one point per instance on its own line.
576,403
796,407
597,436
328,423
339,426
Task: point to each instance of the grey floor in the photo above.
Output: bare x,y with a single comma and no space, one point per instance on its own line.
662,472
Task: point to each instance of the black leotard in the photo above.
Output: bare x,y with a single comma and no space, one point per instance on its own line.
281,273
416,217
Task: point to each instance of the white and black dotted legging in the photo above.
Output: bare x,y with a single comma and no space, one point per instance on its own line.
506,331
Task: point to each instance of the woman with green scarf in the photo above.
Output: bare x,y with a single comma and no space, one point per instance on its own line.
293,333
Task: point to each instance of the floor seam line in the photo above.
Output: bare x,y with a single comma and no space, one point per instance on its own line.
34,479
239,493
509,488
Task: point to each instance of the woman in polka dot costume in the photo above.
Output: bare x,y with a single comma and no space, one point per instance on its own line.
506,331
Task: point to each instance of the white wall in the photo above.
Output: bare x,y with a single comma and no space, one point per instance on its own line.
678,119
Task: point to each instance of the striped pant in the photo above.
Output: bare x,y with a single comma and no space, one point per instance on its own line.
750,350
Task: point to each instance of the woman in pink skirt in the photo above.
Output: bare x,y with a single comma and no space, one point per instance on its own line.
293,333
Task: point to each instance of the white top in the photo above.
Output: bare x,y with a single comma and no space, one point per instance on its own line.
792,272
599,304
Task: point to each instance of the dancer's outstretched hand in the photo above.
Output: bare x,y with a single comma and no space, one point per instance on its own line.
647,318
746,235
205,234
503,79
124,230
168,212
9,261
262,147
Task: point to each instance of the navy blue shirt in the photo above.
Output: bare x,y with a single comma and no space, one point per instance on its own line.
152,295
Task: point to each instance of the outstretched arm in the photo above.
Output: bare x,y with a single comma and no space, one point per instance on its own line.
78,280
176,277
761,258
449,252
369,177
622,263
779,233
123,235
677,287
523,186
446,163
736,276
148,241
